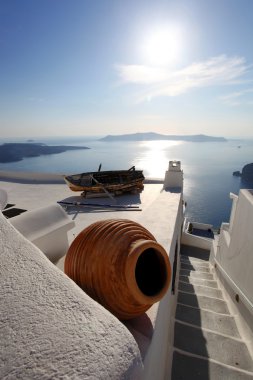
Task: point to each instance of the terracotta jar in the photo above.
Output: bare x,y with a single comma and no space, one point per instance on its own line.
118,263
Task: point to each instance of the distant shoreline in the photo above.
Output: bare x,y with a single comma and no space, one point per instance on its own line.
31,177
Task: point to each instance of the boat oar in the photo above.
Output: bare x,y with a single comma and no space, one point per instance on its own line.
100,184
121,207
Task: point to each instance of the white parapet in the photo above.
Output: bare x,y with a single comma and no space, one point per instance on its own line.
46,228
3,199
234,198
174,175
233,254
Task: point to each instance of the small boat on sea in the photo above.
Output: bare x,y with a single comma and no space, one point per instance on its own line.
114,181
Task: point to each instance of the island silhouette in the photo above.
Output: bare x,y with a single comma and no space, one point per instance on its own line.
149,136
13,152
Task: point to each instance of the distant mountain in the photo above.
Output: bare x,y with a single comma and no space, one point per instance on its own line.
12,152
149,136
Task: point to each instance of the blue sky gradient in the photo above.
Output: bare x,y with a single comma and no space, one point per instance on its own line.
90,67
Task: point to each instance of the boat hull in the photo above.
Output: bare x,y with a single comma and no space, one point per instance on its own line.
111,181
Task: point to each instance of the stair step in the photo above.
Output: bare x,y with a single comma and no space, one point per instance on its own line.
195,252
200,290
195,267
198,281
223,324
188,367
193,260
203,302
211,345
207,343
195,274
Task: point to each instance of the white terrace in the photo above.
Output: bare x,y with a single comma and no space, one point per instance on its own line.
51,329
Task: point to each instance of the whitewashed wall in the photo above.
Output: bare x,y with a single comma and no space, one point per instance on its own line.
235,247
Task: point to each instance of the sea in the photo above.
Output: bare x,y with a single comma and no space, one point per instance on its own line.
208,167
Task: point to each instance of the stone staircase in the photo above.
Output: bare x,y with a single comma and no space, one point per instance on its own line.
207,343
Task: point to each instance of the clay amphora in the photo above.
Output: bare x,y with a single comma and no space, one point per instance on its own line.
118,263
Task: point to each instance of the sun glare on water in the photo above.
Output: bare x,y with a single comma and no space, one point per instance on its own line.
155,156
162,45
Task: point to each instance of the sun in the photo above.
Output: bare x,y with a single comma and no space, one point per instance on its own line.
162,45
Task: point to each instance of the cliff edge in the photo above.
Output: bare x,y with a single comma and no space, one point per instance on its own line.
246,174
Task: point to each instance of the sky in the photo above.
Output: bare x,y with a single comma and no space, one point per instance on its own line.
98,67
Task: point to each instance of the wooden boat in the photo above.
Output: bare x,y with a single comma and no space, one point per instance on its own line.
115,181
